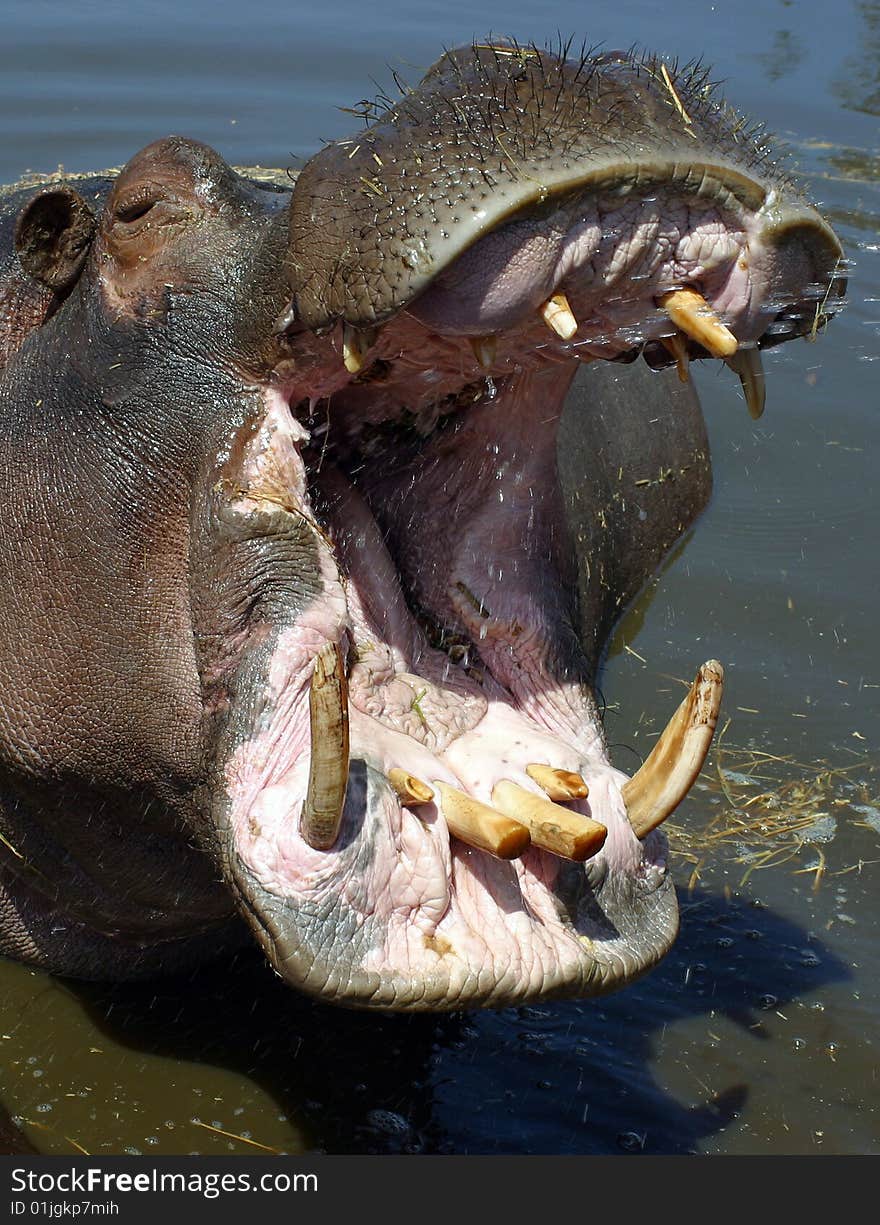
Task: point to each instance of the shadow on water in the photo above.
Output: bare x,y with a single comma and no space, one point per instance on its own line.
12,1141
566,1078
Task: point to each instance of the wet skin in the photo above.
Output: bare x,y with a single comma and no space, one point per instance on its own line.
254,435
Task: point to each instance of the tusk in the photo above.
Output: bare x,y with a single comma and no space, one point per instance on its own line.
552,827
673,764
678,348
747,364
484,348
691,312
356,343
481,826
328,769
559,317
559,784
410,789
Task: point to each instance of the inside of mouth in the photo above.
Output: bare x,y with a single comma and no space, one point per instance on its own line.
424,455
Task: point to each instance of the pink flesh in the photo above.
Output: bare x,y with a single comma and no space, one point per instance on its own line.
411,707
473,524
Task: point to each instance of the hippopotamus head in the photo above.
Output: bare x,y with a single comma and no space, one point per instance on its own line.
295,629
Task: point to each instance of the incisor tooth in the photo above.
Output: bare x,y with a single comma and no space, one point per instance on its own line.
677,347
676,759
558,784
356,342
747,364
328,768
552,827
559,317
484,348
691,312
481,826
412,790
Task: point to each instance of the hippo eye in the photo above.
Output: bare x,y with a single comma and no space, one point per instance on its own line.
134,211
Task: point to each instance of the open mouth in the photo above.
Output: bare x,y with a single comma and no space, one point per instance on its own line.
418,806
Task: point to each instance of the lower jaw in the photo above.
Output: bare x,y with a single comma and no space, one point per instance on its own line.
399,914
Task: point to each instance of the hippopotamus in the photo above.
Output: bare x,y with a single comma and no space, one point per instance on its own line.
301,625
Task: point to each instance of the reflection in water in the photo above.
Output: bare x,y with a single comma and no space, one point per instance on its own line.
786,53
571,1078
857,85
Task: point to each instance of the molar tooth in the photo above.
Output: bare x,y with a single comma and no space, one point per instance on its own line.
411,790
560,785
328,769
356,342
559,317
481,826
747,364
691,312
673,764
677,347
484,348
552,827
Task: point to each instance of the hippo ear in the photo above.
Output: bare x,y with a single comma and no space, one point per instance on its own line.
52,236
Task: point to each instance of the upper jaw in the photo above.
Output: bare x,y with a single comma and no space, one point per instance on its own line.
491,138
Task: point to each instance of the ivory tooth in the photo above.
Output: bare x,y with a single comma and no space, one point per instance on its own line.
560,785
481,826
559,317
485,348
690,312
356,343
673,764
411,790
328,769
747,364
552,827
677,347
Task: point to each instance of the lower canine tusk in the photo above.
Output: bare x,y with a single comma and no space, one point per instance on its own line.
690,312
410,789
552,827
481,826
328,769
673,764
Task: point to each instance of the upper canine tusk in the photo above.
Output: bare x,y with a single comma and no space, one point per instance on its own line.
410,789
673,764
356,343
552,827
747,364
484,349
691,312
558,784
481,826
328,769
677,347
559,317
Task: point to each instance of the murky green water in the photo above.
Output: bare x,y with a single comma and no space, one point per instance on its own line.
761,1031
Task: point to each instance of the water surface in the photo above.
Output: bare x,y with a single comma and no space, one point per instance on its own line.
760,1032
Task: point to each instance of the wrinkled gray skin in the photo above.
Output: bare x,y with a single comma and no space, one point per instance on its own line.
153,555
